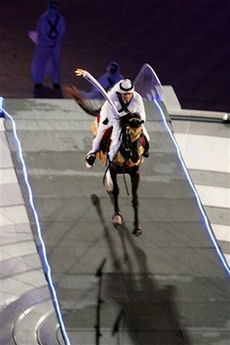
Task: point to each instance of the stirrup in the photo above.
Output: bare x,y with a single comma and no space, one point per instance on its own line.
90,159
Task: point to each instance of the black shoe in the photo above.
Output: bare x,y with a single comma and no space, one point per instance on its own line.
37,86
146,154
90,159
56,86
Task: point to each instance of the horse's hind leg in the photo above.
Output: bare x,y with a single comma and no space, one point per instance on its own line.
135,179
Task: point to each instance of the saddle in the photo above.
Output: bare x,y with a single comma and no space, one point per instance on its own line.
105,142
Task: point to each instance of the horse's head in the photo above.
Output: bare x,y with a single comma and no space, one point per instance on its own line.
132,120
131,146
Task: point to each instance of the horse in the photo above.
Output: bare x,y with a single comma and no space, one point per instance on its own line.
127,160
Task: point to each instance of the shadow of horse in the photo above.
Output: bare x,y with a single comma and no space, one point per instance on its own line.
147,311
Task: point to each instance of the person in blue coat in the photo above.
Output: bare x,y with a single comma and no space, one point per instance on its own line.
111,77
51,29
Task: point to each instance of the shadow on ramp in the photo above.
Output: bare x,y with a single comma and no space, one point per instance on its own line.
147,312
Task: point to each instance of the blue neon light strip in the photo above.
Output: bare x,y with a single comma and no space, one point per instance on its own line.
44,258
219,252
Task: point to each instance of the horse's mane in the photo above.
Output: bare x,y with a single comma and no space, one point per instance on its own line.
75,94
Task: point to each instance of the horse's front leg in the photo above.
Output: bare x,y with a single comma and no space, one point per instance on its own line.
112,188
135,179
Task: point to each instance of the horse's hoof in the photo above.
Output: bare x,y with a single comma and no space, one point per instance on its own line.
137,232
117,219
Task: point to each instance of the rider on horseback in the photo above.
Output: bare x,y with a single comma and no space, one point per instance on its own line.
125,100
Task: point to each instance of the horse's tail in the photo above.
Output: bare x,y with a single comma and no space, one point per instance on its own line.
75,94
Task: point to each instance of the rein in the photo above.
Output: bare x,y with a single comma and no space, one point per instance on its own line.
125,183
123,173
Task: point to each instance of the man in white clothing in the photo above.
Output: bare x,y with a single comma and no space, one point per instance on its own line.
126,100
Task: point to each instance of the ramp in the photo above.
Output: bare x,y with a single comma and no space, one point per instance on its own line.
169,287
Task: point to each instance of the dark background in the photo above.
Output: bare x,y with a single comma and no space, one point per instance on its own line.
185,42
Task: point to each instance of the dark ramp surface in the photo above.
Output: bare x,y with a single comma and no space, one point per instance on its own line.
168,287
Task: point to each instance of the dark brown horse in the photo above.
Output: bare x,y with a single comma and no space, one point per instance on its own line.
127,160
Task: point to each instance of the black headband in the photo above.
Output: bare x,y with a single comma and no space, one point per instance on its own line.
126,90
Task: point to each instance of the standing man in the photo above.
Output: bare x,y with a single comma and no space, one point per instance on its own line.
51,29
126,100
